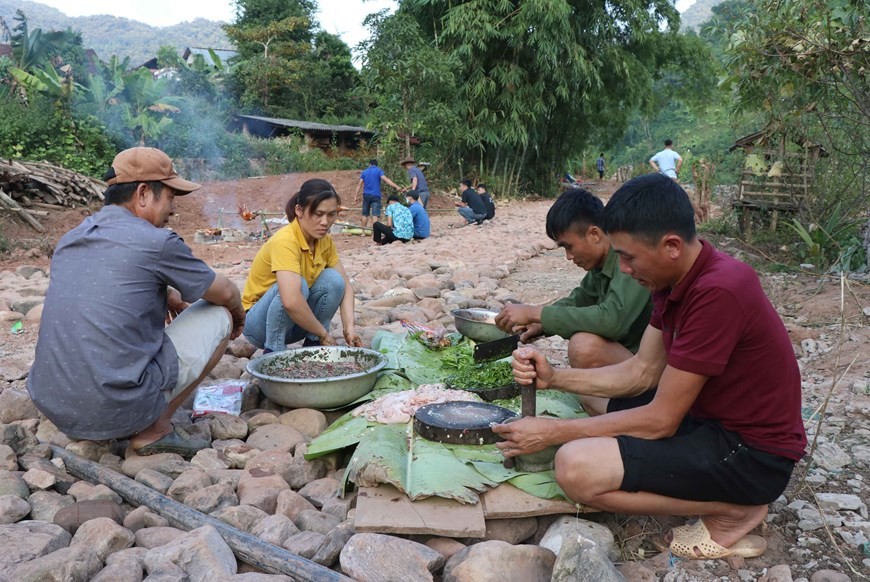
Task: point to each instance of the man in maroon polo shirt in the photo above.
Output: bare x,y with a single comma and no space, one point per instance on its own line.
705,419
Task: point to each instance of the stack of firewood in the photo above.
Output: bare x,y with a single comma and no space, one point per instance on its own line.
30,189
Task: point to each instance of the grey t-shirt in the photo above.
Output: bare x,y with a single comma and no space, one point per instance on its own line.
422,185
102,357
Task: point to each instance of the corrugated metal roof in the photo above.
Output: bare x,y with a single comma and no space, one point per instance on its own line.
223,54
6,50
310,125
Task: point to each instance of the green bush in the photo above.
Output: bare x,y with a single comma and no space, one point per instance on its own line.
41,130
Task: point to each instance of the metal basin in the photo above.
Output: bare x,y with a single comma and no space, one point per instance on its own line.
477,324
319,393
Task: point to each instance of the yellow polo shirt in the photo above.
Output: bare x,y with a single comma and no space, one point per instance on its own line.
287,250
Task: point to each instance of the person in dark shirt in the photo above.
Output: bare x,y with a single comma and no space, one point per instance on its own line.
720,435
471,207
370,185
487,200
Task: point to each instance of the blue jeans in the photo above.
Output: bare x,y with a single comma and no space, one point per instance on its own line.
469,214
371,205
268,325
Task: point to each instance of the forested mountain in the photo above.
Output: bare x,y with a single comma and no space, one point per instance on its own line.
109,35
697,14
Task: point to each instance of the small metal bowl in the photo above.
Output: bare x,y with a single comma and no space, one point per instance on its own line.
477,324
318,393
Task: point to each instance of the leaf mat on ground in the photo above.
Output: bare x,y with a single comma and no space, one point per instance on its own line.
418,363
394,454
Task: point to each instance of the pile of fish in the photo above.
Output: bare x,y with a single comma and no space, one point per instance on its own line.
400,407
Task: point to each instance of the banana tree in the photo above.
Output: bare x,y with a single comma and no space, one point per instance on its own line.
146,104
48,82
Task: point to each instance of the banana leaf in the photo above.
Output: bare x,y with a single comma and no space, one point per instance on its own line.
394,454
552,402
414,360
542,485
344,432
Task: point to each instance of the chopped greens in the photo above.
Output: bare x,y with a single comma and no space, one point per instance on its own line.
478,376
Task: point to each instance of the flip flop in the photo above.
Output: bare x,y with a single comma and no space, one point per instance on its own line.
693,542
174,442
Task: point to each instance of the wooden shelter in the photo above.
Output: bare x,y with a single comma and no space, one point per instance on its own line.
777,175
320,135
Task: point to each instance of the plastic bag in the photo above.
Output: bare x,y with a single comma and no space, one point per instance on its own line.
224,396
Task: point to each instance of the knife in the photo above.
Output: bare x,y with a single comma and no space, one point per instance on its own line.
495,349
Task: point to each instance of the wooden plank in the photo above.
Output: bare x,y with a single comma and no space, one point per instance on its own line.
506,501
384,509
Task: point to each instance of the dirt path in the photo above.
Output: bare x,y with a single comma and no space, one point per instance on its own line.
831,346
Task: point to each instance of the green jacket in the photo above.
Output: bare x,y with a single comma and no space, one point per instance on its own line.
608,303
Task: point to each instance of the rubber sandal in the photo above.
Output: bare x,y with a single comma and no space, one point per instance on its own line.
693,542
174,442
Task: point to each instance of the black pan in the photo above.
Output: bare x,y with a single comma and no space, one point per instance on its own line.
460,423
490,394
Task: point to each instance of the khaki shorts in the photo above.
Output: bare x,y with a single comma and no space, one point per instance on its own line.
196,333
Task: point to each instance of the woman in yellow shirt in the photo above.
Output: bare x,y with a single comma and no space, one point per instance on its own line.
296,282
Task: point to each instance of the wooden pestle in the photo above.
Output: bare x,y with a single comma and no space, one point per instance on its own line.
528,398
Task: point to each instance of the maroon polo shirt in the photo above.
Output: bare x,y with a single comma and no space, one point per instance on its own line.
717,322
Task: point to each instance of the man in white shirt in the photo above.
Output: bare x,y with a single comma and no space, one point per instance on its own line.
667,161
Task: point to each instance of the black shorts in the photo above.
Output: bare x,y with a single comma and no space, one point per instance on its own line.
701,462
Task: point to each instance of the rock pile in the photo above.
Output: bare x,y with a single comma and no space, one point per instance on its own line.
254,477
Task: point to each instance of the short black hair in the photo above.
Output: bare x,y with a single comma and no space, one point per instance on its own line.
466,183
649,207
373,162
413,194
576,209
118,194
669,142
393,198
601,154
482,186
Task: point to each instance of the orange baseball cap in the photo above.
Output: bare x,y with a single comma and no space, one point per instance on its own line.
143,164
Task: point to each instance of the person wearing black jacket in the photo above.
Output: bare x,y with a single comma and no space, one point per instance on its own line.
471,207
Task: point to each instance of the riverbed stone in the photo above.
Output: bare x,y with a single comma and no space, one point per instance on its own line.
320,490
28,540
12,509
190,481
72,564
497,561
155,480
260,488
153,537
240,454
291,504
84,491
369,557
167,463
16,405
304,543
260,419
91,450
8,459
243,517
275,529
211,460
313,520
12,484
582,560
44,504
329,551
202,554
212,498
37,479
306,420
275,437
103,536
17,438
227,426
512,530
75,515
569,527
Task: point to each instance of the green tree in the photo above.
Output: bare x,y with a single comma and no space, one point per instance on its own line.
543,78
411,83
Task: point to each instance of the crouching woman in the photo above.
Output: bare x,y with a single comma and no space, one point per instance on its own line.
296,282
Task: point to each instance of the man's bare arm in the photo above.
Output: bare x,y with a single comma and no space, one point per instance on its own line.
224,292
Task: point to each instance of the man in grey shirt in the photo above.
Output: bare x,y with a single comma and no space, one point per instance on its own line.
107,366
418,180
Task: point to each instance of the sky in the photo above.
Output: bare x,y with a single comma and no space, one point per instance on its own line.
341,17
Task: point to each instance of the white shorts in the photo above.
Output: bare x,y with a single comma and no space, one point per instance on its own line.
196,333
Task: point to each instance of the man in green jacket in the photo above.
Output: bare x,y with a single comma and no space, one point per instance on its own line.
605,317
